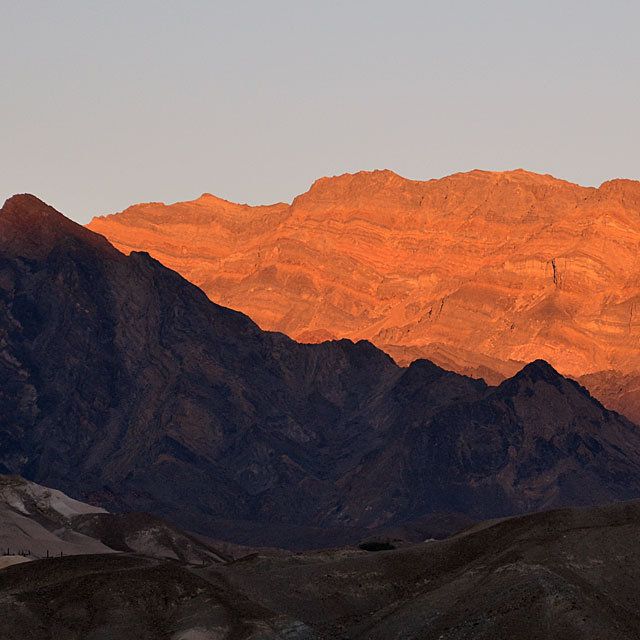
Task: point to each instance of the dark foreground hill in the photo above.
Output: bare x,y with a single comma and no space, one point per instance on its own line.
569,574
122,384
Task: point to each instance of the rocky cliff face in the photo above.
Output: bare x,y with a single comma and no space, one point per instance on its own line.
480,272
123,383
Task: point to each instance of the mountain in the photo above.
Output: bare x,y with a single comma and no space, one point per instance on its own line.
480,272
563,574
122,384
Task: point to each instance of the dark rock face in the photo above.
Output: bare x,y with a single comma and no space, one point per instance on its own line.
121,383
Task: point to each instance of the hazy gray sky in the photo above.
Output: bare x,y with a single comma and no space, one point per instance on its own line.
108,103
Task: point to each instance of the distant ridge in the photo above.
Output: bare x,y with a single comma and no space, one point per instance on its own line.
480,271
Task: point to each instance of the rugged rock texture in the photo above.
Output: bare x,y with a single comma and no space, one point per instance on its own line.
480,272
121,382
570,574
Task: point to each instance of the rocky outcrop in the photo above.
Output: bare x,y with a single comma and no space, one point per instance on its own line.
480,272
122,383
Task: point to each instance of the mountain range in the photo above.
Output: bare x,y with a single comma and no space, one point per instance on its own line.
122,384
480,272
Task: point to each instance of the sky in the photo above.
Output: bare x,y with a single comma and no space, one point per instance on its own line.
106,104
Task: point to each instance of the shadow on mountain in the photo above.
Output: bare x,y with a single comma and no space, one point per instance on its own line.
123,385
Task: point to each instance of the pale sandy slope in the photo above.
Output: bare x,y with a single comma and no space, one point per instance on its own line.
37,520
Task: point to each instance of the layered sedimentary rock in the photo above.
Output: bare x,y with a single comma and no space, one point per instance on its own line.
122,383
481,272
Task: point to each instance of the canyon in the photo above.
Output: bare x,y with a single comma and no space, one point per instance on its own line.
480,272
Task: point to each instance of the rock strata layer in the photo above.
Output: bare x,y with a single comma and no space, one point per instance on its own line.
481,272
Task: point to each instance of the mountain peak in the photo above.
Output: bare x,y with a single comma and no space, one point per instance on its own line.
27,206
623,190
30,228
355,187
538,370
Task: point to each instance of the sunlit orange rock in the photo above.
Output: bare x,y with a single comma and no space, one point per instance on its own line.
479,271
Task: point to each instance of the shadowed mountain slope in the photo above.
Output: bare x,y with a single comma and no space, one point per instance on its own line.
480,272
122,383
